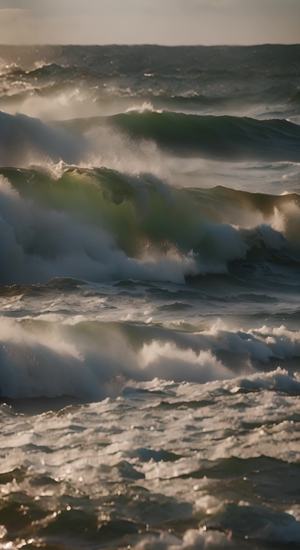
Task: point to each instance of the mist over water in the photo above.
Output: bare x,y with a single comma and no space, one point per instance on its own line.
149,288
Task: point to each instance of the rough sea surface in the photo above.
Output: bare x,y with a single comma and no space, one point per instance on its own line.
150,282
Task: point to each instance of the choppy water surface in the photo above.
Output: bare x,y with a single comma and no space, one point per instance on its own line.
150,317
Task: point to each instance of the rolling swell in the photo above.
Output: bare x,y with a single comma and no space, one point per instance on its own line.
218,137
222,137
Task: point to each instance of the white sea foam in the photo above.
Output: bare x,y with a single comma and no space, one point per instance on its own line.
57,359
24,140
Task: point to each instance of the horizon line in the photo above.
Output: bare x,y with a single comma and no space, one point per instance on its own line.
148,44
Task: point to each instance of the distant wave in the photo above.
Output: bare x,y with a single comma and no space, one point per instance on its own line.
55,71
40,69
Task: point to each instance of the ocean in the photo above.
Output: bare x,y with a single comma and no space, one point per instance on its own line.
149,287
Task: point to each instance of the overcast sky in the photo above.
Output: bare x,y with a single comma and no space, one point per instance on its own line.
150,21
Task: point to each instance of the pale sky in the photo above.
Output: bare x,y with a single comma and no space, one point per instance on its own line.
149,21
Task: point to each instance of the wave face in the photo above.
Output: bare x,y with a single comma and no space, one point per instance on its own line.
219,137
149,293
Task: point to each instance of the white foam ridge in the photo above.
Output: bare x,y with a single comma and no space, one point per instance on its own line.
53,359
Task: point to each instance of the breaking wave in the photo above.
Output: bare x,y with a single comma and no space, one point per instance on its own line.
95,360
102,225
24,139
